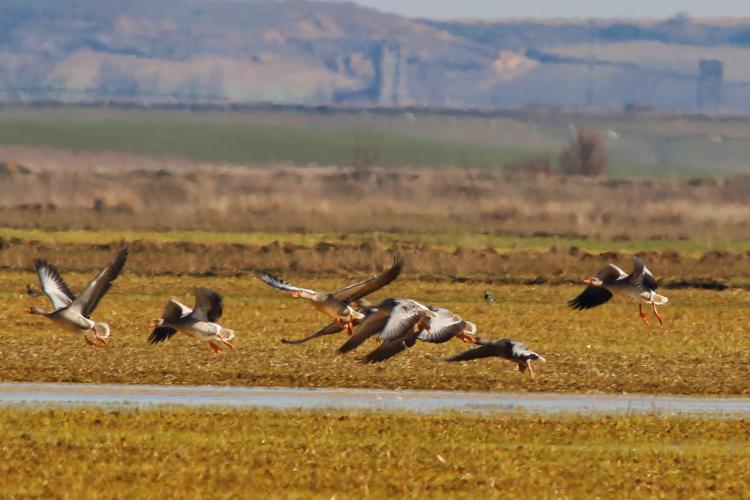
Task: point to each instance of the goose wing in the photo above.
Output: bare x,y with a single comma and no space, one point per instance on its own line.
520,351
53,286
280,284
483,351
404,316
641,276
591,296
370,326
99,286
389,349
356,291
172,312
330,329
443,327
611,273
208,305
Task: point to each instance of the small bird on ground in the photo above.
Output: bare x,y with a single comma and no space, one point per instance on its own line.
74,313
340,305
199,322
488,297
503,348
639,285
31,291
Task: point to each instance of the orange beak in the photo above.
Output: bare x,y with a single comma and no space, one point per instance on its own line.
153,323
295,295
587,282
27,310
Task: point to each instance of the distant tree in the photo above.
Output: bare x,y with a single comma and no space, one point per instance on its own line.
584,155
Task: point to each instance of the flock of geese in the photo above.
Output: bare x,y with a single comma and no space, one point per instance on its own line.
396,323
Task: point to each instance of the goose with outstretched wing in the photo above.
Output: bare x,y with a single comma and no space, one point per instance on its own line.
363,306
341,304
391,319
74,313
444,326
199,322
639,285
503,348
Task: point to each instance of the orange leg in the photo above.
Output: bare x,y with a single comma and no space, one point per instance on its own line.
531,370
91,343
463,337
642,314
215,348
658,316
227,343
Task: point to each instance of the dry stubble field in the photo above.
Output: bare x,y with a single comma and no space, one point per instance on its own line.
702,349
178,453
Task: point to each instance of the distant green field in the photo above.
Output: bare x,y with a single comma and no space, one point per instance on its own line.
244,143
658,147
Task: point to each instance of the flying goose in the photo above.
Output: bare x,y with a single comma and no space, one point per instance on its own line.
391,319
443,327
200,322
503,348
639,285
341,304
75,313
334,327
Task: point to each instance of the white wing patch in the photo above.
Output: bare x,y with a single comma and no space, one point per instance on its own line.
54,287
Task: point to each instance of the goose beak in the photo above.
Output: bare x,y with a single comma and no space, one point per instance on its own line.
296,295
27,310
153,323
588,282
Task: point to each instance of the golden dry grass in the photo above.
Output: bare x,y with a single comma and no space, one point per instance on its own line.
700,350
96,453
139,194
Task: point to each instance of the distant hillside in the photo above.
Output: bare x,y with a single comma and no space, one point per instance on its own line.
313,52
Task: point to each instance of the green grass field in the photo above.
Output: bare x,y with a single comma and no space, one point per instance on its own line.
244,143
177,453
671,150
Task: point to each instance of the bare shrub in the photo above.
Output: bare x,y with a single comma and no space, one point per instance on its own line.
584,155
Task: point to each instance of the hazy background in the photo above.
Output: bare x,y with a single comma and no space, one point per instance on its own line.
583,121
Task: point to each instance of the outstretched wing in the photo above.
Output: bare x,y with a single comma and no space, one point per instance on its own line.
404,316
160,334
208,305
591,296
330,329
611,273
53,286
442,328
356,291
641,275
175,310
280,284
370,326
483,351
95,290
389,349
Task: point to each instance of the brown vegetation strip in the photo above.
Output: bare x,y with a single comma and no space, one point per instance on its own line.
91,453
138,195
558,265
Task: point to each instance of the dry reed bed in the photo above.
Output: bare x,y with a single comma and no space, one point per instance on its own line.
700,350
557,265
134,193
94,453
